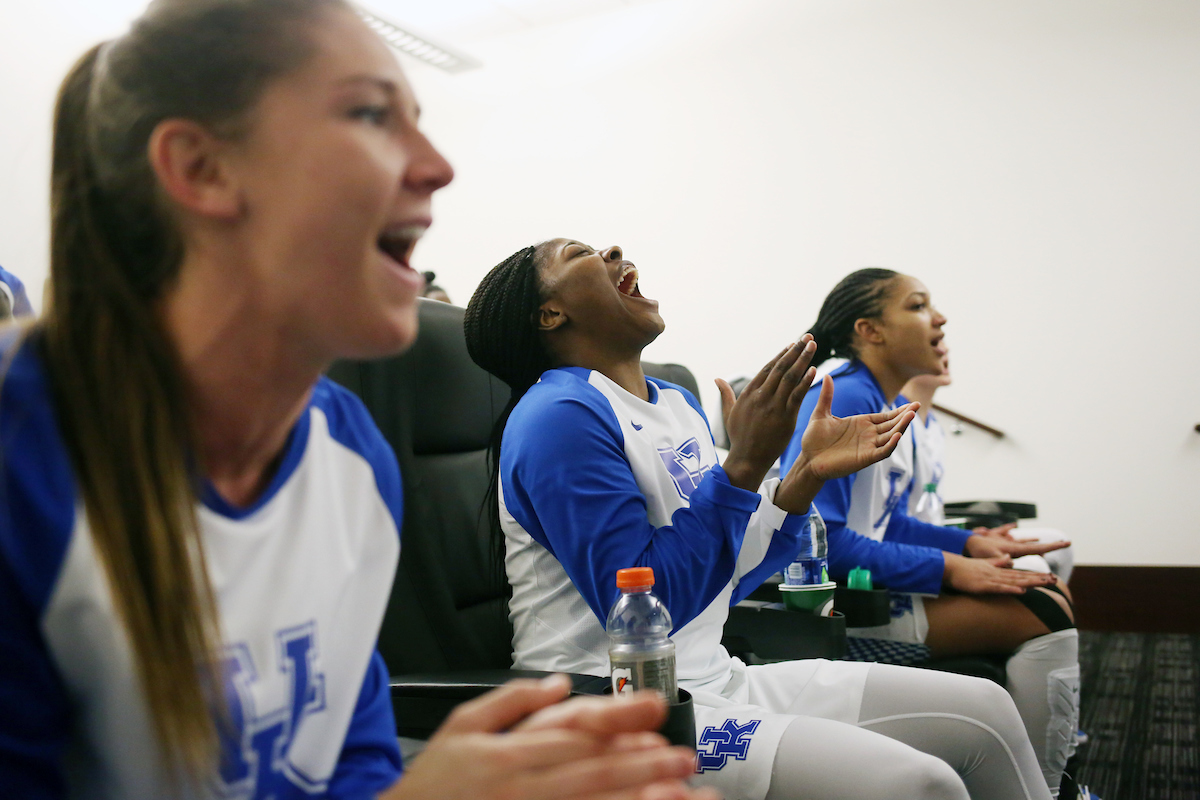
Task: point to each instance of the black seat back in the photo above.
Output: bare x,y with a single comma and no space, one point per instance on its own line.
673,373
449,604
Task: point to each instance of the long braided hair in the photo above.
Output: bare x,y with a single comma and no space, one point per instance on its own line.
859,295
500,324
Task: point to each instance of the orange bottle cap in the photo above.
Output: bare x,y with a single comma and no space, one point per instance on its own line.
635,576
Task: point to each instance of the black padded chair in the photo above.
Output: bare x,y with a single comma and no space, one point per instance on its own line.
446,635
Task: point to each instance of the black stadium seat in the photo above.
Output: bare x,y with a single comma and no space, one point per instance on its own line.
446,635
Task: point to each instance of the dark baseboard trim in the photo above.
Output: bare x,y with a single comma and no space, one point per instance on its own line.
1137,599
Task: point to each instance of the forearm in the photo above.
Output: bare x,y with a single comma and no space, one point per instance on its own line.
903,529
799,488
744,473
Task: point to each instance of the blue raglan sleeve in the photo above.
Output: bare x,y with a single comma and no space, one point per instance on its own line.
566,480
899,566
370,757
904,529
36,517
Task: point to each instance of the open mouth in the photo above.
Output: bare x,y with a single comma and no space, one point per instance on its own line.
398,243
627,284
938,346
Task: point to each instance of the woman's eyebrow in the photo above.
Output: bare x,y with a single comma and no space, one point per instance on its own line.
386,85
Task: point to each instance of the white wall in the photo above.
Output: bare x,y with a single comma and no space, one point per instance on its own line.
1036,164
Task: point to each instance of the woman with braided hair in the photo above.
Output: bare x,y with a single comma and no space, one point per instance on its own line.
600,467
886,325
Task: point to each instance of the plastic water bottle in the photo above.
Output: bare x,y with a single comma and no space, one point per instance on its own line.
929,505
811,566
641,654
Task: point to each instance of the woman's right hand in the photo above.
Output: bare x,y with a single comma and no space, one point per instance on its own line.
761,420
519,742
989,575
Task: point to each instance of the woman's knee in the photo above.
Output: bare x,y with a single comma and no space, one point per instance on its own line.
926,776
1053,610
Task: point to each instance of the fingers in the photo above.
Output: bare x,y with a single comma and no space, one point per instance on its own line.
1003,561
796,399
1012,581
502,708
885,417
678,791
800,375
887,449
897,426
1035,549
666,790
784,364
641,711
612,773
824,406
761,377
727,401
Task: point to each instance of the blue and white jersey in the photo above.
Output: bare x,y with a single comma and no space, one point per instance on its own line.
929,450
865,513
594,479
301,580
18,300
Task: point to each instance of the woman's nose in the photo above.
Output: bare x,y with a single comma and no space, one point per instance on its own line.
613,254
939,319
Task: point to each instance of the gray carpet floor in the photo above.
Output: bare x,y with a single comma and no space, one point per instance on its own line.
1140,707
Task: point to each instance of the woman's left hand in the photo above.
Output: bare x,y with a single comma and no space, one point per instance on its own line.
834,447
980,546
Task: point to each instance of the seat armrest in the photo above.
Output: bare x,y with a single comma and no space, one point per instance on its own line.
421,702
773,633
997,508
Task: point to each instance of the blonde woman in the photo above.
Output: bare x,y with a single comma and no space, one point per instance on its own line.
197,532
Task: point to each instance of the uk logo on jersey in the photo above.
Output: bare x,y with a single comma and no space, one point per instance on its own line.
255,744
893,497
684,465
717,745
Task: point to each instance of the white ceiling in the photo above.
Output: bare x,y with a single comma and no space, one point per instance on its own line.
458,22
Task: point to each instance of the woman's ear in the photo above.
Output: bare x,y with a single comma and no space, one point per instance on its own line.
868,331
187,160
550,317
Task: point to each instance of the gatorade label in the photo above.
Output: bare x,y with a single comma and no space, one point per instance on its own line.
651,673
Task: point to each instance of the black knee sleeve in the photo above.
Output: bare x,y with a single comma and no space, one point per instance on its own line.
1047,609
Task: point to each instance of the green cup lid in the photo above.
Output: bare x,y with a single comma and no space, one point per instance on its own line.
860,578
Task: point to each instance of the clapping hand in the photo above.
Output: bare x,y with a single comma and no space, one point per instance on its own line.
519,741
761,421
833,447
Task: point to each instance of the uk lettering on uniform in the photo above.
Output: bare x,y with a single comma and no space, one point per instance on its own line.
716,745
684,464
893,497
255,745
